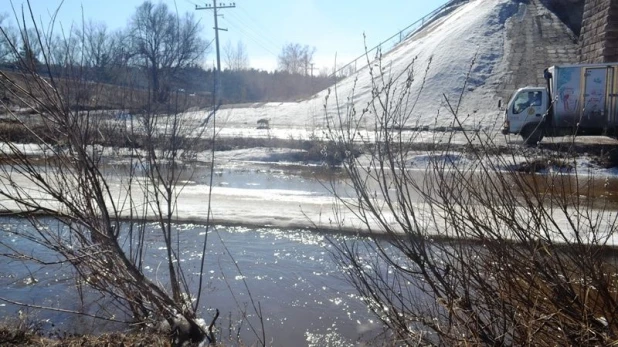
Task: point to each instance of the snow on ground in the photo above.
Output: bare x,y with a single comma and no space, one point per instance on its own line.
462,50
468,39
24,148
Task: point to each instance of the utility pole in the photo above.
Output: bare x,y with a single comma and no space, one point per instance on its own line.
216,101
216,7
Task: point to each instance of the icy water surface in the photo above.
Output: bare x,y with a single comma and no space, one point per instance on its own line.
301,291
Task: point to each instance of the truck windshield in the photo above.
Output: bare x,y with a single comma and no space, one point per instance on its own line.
527,99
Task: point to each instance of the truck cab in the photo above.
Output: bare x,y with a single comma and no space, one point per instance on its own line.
526,112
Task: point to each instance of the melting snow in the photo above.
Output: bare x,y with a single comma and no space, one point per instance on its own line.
468,40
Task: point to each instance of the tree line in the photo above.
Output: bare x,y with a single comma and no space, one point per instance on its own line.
252,85
161,51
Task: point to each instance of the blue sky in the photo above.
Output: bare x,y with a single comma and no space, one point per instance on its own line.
334,28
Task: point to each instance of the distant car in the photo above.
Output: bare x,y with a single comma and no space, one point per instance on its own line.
263,124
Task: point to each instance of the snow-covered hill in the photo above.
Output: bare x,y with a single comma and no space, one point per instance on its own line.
465,49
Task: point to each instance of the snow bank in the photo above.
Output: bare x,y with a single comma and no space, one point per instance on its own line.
463,50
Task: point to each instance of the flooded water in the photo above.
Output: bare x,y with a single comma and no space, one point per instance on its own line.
314,179
302,294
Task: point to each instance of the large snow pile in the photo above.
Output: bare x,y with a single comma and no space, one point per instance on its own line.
461,50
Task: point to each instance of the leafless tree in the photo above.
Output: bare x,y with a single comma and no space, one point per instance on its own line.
66,50
100,48
29,50
472,250
324,72
347,70
236,58
68,182
7,35
163,42
296,59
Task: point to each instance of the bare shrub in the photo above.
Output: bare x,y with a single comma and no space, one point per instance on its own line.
470,251
101,215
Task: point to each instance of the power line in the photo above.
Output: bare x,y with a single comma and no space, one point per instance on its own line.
253,37
263,29
263,37
192,3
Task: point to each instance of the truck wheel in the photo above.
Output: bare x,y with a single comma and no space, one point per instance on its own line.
532,134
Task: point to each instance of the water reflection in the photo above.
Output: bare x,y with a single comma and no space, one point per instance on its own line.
301,291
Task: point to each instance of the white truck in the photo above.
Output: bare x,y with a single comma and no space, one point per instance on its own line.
578,100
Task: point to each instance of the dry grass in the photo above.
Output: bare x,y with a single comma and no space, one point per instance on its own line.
79,94
10,337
